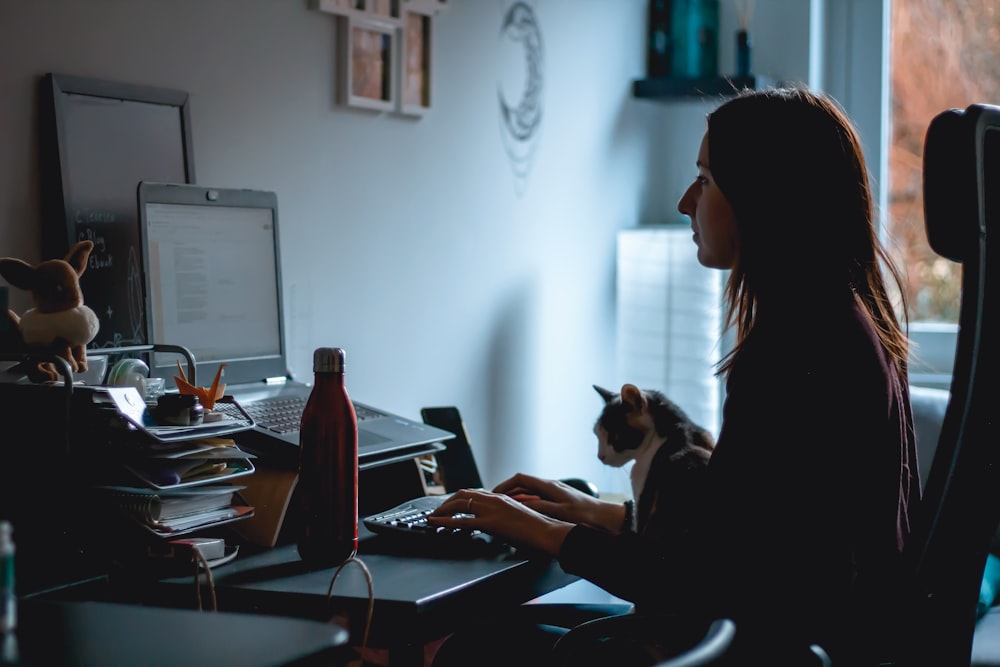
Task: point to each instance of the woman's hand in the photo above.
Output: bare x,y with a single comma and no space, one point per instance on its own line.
561,501
502,516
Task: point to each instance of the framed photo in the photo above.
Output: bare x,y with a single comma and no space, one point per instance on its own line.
368,55
415,63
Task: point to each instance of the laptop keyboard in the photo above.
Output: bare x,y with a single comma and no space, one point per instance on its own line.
283,414
280,414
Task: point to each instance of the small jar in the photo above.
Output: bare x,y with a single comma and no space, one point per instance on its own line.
179,410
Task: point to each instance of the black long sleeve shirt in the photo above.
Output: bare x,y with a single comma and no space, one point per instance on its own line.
807,498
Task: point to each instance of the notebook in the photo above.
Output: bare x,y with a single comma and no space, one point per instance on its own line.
212,283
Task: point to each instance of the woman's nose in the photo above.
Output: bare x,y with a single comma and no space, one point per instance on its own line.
686,203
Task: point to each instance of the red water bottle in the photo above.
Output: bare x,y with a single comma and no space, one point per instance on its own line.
328,465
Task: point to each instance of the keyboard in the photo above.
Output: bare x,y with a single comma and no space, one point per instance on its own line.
283,414
234,412
406,530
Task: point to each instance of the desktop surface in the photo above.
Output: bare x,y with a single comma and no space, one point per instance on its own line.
417,599
82,634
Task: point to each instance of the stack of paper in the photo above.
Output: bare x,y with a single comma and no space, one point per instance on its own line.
182,488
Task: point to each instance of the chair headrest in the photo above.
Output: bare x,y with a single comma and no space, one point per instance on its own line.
958,148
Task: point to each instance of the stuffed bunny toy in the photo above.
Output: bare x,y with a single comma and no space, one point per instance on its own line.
59,323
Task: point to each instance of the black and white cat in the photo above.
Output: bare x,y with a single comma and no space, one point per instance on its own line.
670,451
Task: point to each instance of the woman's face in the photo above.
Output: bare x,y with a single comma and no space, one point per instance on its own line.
712,218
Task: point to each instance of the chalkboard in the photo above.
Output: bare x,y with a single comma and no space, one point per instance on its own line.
97,140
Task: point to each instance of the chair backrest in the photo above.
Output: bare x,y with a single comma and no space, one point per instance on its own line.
680,642
712,649
960,508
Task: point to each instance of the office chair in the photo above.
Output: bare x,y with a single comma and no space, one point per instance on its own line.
690,647
960,507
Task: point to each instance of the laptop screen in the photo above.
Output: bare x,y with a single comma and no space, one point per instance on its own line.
212,279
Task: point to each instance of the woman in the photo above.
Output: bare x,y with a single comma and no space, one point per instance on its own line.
814,476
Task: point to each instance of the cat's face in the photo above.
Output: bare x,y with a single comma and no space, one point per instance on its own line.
621,428
606,448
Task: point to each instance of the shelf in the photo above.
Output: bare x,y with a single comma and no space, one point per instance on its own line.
674,87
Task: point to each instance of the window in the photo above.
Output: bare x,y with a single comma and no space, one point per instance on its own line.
942,54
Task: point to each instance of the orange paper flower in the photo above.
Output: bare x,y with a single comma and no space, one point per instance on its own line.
206,396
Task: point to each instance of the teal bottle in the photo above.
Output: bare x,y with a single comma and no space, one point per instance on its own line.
8,596
695,27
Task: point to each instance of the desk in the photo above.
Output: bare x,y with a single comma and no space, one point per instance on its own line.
84,634
416,599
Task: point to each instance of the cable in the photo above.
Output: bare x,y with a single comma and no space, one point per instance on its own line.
201,562
371,601
428,463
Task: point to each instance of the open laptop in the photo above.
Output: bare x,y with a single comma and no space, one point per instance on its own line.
212,283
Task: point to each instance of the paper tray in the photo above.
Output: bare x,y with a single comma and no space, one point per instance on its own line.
153,472
240,512
137,417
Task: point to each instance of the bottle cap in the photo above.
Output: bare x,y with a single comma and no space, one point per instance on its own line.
329,360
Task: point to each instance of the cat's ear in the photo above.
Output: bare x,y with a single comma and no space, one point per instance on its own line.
634,397
605,394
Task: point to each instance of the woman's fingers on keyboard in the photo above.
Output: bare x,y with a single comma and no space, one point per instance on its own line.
459,507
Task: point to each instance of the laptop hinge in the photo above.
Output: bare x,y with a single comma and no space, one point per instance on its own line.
280,379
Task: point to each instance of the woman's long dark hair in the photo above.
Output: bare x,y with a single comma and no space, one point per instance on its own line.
790,164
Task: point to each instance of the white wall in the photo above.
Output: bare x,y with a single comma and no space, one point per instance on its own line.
409,242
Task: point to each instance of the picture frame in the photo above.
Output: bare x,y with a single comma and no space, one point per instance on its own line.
341,7
384,52
429,7
368,62
415,69
97,139
383,8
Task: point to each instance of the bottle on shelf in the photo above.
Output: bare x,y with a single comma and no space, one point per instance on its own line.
8,596
695,27
658,46
328,465
742,53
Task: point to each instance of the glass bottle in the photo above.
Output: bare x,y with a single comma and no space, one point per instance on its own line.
695,25
742,53
8,597
328,465
679,38
658,47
